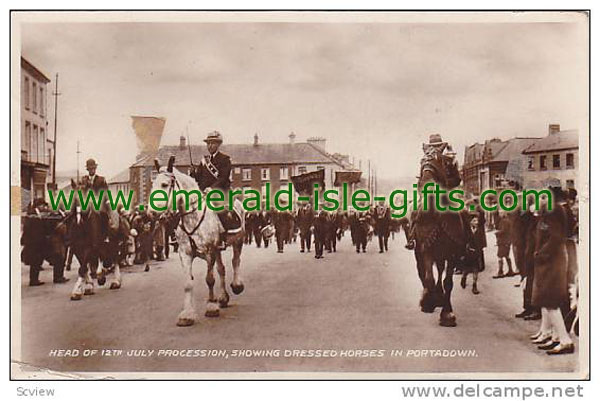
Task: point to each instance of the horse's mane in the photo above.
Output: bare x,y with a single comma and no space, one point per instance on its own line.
184,180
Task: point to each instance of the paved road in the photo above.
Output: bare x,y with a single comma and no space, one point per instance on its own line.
346,303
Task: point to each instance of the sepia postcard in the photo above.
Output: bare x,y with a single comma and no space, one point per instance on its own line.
300,195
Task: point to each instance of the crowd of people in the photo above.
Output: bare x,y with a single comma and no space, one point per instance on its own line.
320,229
543,240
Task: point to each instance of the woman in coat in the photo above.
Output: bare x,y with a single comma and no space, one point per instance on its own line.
550,276
472,261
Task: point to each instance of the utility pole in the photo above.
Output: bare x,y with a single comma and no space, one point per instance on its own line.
369,175
56,94
78,152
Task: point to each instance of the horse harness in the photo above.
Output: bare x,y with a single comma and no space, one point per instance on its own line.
179,215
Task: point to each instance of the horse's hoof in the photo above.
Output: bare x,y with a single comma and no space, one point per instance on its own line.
224,302
184,322
447,319
212,310
237,289
101,281
76,297
427,309
115,286
88,292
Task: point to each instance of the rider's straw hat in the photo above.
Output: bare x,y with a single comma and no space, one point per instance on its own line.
214,136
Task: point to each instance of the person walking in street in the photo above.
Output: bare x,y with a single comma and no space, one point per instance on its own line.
503,244
472,262
550,288
320,228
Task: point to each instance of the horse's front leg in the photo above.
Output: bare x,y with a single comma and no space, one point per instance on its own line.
187,317
427,302
116,282
100,274
439,286
212,307
89,288
79,287
224,297
237,285
447,317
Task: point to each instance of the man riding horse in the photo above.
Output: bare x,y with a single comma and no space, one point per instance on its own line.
437,238
439,159
213,173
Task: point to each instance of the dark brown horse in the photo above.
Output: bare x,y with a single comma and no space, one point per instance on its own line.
96,244
440,240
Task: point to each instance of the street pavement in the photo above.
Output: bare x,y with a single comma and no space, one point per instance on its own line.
347,312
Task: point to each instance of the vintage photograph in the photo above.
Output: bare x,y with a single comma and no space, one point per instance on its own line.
277,194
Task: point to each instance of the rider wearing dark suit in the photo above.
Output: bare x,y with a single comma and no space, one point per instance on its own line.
215,168
93,181
213,173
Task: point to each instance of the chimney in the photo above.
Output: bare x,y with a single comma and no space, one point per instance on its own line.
318,141
182,142
255,139
553,129
292,137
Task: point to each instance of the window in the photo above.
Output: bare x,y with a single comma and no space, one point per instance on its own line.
26,93
570,160
301,169
283,173
34,145
34,100
246,174
530,163
555,161
42,146
42,112
543,163
26,141
237,170
264,173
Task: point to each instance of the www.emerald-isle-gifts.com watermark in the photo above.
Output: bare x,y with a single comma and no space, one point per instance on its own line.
400,201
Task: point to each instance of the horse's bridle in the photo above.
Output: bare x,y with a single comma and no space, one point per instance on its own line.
180,213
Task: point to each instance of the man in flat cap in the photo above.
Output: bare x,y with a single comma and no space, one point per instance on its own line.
213,173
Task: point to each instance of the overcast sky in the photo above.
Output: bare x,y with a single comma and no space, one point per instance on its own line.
375,91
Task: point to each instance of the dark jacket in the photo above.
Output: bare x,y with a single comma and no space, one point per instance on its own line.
382,221
205,178
550,259
98,184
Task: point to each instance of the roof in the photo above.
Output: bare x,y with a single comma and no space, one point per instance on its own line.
123,176
493,147
513,148
246,154
33,70
496,150
568,139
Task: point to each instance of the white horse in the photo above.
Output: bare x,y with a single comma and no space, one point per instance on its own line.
198,233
